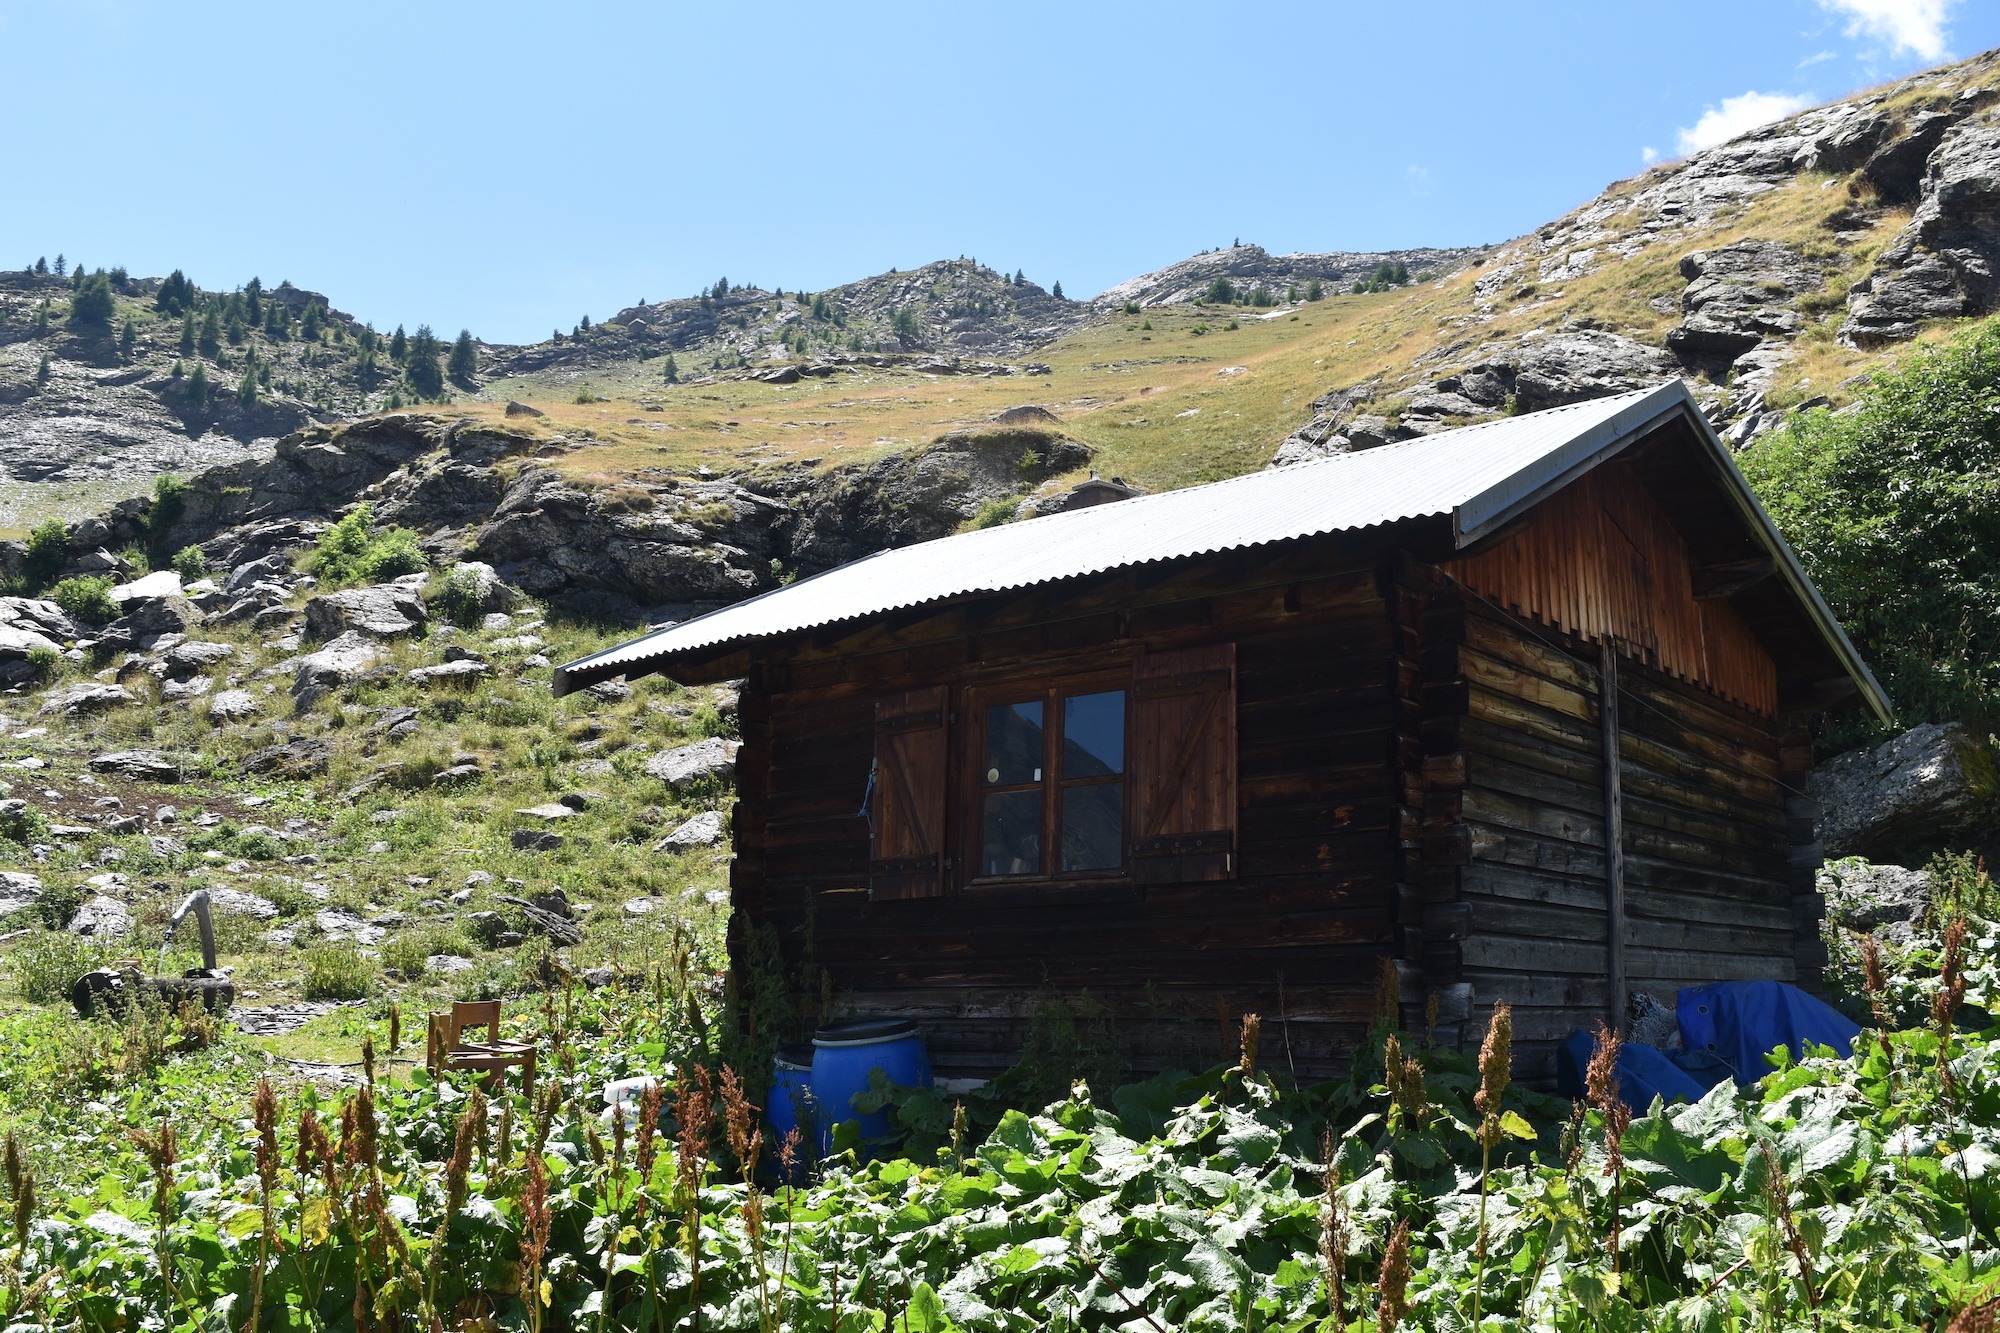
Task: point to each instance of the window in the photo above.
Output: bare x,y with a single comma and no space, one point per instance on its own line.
1052,784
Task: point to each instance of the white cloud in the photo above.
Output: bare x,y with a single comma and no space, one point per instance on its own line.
1916,26
1649,155
1739,115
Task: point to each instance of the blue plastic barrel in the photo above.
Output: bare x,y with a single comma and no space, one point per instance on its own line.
845,1057
790,1105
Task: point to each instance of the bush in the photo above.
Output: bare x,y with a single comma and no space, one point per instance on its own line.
1890,508
994,513
58,904
190,563
47,963
48,552
24,825
353,551
459,599
338,972
86,597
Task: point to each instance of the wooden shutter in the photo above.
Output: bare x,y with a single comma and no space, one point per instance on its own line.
907,801
1183,765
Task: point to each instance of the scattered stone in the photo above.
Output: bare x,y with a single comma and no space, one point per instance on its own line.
580,800
495,621
176,691
123,825
384,612
232,706
640,906
559,928
293,759
608,691
481,585
20,650
536,840
243,903
552,811
101,918
18,892
275,1020
461,672
458,775
704,830
139,765
683,767
446,964
515,409
342,660
85,699
1906,797
474,878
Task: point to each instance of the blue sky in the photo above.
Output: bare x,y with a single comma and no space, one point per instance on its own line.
510,167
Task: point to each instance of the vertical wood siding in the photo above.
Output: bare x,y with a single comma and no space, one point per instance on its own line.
1600,558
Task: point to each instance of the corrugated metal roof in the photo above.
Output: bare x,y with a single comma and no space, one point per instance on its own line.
1480,475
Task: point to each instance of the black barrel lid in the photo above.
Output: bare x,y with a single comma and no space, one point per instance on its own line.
795,1055
866,1029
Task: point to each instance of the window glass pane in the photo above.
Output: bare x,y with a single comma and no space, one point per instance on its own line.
1093,826
1094,734
1013,833
1013,744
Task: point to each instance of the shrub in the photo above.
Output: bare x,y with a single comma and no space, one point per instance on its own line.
48,552
190,563
86,598
45,661
1890,509
24,825
257,847
338,972
353,551
58,904
459,600
994,513
48,962
407,954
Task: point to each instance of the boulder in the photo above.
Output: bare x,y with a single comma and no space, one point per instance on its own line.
1888,901
32,613
1737,296
87,698
193,658
462,672
19,649
535,840
294,759
101,918
146,623
704,830
243,903
195,688
139,765
332,666
160,584
686,765
384,612
481,584
515,409
232,706
458,775
552,811
556,925
18,892
1930,788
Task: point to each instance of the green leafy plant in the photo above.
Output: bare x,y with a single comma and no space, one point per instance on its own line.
338,971
190,563
353,550
85,597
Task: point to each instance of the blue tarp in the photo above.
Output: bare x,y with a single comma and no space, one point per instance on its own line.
1740,1022
1726,1030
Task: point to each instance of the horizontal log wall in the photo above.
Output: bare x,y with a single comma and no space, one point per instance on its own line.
1297,936
1515,757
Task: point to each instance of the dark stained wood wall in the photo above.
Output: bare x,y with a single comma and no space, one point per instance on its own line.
1297,935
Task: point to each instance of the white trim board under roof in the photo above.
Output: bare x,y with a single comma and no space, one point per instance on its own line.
1481,476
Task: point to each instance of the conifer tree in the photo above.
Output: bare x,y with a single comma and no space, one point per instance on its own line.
1056,291
584,324
673,371
421,367
1314,291
464,361
246,388
42,372
42,320
42,265
368,338
399,346
236,331
59,265
313,322
253,302
210,339
186,344
198,385
92,304
175,295
128,338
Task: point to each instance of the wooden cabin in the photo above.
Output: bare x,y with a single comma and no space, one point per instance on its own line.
1227,749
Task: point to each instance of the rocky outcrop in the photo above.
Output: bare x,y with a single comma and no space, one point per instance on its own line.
1248,266
1943,265
1888,901
1931,788
1739,295
683,767
384,612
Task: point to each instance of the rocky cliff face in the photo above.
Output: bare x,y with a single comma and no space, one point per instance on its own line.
1932,141
664,546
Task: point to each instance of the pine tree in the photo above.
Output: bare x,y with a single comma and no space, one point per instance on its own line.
421,365
1056,291
177,371
464,362
584,324
59,266
253,302
210,339
368,338
236,330
198,385
42,266
128,338
246,388
175,295
92,303
1019,277
186,344
399,346
1314,291
673,371
42,320
42,372
313,322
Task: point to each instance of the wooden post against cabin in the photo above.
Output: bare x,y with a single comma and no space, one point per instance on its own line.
1614,836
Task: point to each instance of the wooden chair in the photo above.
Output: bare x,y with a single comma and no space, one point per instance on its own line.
449,1049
